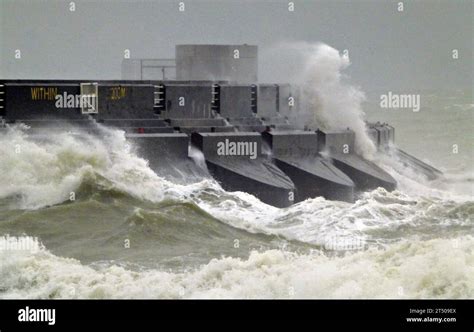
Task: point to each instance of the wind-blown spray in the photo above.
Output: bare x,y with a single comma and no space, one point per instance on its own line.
333,103
328,102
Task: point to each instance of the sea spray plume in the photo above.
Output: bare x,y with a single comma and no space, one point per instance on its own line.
333,103
327,101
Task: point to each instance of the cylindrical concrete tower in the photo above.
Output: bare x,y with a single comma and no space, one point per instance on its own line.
235,63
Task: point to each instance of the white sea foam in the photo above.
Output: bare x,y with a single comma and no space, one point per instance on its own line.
376,218
441,268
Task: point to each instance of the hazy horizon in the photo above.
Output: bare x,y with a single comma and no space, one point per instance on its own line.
388,49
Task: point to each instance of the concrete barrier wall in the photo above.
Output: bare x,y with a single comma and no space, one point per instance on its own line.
136,100
38,100
283,100
373,134
383,136
273,100
336,141
219,145
268,100
25,101
294,113
292,143
188,101
125,101
235,101
236,63
154,146
391,134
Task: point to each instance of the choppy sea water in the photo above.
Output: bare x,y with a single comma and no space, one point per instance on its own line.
131,234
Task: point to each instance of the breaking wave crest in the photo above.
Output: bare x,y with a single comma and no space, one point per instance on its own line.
44,170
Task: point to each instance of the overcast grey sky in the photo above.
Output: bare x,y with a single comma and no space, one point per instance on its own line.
388,49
